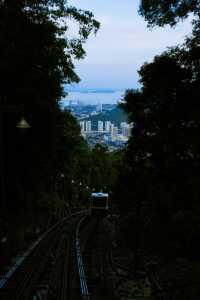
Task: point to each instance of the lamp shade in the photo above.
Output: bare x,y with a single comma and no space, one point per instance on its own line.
23,124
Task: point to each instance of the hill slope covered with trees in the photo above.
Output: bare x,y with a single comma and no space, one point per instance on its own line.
115,116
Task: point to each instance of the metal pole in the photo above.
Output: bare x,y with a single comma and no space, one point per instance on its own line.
2,174
3,109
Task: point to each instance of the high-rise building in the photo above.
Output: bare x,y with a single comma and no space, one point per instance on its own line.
107,126
82,125
88,126
111,129
123,126
100,126
113,132
99,107
126,129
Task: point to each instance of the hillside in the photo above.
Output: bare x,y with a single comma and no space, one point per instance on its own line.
116,116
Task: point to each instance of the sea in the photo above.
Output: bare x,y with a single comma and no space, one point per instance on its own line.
93,97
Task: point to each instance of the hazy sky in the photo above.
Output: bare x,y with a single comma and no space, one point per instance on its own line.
122,44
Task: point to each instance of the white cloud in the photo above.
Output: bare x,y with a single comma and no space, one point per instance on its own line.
118,39
123,43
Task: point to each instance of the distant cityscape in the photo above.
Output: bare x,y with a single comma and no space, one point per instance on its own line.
82,110
96,127
107,133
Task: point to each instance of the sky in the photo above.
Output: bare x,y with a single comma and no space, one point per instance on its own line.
122,44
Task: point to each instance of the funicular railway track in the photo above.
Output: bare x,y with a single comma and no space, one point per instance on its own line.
92,253
68,262
43,271
54,281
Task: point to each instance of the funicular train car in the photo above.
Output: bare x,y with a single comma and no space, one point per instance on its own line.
99,203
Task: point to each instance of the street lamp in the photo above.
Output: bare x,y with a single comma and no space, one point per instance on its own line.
21,125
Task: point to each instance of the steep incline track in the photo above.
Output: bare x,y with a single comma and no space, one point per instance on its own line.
70,261
49,259
95,273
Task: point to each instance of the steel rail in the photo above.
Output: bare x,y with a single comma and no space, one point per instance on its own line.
49,282
82,277
95,254
60,284
30,263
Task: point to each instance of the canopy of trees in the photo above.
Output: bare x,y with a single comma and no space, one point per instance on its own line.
36,60
162,12
158,191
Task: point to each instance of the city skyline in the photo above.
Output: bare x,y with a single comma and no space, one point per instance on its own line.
107,133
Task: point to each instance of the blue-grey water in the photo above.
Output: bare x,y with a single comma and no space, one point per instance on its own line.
93,97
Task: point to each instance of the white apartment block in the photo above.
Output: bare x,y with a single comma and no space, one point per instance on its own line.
88,126
125,129
114,132
107,126
100,126
111,129
82,126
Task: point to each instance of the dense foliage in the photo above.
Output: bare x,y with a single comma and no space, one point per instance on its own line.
162,12
40,167
158,191
36,60
115,116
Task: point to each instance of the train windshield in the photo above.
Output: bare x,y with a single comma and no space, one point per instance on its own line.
99,201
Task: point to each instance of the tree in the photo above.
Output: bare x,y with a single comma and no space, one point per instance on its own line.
163,155
162,12
158,190
101,174
36,49
36,61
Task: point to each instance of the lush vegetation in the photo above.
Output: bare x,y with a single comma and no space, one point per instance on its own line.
49,169
115,116
36,60
38,165
158,191
162,12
